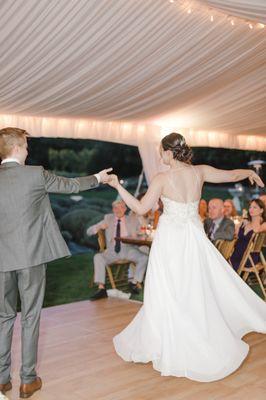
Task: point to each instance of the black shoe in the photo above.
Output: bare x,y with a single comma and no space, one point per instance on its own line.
133,288
100,294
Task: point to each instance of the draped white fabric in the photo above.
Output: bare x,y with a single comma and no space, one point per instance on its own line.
122,70
146,137
248,9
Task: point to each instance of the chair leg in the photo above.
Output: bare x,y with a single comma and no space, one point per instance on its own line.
111,278
254,269
117,270
260,282
245,276
263,261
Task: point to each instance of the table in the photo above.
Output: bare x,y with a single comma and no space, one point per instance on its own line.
137,241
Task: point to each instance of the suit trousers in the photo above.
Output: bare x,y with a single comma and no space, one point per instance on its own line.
30,284
101,260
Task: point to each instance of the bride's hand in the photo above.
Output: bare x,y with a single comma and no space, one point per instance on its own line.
254,178
113,181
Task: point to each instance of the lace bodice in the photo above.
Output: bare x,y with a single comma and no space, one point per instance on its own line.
180,211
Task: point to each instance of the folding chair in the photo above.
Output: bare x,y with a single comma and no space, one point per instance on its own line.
117,271
254,247
225,247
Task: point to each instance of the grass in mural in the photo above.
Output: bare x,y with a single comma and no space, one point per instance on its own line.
68,281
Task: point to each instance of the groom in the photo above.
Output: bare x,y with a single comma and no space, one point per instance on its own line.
29,238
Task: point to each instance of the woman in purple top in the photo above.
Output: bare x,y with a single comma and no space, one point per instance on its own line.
256,222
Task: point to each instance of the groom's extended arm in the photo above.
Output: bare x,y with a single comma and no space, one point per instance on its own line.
59,184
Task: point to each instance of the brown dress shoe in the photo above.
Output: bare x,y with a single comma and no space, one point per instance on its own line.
27,389
5,387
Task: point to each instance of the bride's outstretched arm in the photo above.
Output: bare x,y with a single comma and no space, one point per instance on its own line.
147,202
214,175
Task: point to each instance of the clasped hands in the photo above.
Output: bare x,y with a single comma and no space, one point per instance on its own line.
110,179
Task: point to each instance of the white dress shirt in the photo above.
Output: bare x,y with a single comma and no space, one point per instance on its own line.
101,225
217,223
10,159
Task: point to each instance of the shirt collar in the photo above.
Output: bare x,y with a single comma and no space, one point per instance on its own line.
121,219
10,159
218,220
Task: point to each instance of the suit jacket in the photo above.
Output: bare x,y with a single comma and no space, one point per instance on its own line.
29,234
132,226
225,231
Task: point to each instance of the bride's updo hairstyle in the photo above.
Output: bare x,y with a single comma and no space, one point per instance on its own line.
176,143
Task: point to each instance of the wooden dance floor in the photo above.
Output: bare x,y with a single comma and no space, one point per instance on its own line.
77,361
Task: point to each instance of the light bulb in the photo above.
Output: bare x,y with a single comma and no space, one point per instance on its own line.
250,26
189,11
232,22
212,18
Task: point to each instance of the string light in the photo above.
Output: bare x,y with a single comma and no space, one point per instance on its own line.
184,4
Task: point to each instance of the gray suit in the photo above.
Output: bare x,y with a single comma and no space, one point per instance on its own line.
131,253
29,238
225,231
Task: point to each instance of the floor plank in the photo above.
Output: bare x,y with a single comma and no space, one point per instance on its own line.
77,360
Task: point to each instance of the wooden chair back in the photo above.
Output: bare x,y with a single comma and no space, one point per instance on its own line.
101,240
226,247
117,271
258,242
255,246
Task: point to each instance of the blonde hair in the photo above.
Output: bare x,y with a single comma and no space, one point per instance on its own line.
10,137
118,201
234,212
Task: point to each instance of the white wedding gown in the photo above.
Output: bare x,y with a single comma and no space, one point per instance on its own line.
196,307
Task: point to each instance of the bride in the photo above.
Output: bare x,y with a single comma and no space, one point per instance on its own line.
196,308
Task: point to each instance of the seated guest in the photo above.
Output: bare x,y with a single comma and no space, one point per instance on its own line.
229,209
256,222
203,209
217,226
117,225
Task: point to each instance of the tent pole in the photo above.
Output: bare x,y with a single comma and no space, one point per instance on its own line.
139,183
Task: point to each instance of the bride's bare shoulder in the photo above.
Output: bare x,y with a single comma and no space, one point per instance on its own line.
159,176
158,179
200,168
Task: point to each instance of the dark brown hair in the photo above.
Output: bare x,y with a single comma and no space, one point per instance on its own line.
176,143
261,205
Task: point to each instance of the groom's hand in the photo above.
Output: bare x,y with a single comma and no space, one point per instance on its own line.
104,177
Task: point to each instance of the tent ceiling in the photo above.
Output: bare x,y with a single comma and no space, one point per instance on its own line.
143,61
248,9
